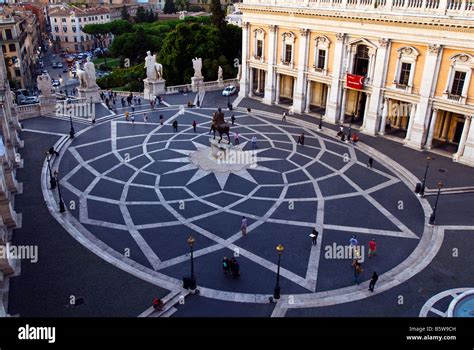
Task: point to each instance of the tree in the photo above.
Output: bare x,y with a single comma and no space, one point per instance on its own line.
124,13
169,7
218,17
141,15
100,33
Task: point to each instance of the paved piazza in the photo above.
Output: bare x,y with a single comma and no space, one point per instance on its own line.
135,193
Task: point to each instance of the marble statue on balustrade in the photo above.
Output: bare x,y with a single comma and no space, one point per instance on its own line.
88,88
197,81
154,84
45,84
220,76
154,70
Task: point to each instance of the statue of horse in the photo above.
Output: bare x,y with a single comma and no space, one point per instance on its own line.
219,125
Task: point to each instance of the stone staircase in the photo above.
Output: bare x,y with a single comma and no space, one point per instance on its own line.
169,301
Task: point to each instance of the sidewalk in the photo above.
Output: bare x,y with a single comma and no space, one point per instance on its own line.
441,169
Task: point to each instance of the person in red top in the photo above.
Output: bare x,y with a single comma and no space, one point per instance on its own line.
157,304
372,248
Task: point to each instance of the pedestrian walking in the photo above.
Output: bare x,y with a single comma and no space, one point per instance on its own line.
243,226
373,280
158,304
161,119
133,119
126,116
301,139
353,241
52,151
314,236
194,125
235,268
139,101
232,118
236,138
248,111
370,164
175,126
145,118
123,101
357,271
340,132
133,108
283,119
254,141
372,248
225,265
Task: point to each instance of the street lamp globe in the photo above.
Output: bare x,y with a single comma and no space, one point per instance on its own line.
191,241
280,249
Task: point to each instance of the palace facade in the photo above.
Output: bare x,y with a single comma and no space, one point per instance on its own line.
398,67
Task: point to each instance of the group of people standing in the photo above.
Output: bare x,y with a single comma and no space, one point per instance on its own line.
357,264
231,266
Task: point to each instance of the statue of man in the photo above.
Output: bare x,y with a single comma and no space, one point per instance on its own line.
150,61
220,74
45,84
197,66
89,68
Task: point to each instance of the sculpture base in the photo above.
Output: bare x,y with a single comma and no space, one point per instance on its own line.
90,94
47,105
196,83
153,88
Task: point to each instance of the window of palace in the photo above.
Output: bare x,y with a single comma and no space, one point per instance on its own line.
12,47
361,61
56,29
259,40
55,20
63,20
8,34
65,29
74,29
288,46
459,78
405,68
321,54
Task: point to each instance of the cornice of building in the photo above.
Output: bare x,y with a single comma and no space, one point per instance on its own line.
432,21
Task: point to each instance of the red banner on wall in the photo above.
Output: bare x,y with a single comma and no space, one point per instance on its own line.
355,81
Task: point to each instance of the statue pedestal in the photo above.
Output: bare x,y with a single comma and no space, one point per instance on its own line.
220,83
218,150
47,105
196,83
90,94
153,88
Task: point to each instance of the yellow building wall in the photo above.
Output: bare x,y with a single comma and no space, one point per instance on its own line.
280,44
444,72
286,86
252,41
312,48
318,94
420,63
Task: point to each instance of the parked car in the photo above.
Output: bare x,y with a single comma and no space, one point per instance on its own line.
55,65
29,100
45,71
60,65
56,83
230,90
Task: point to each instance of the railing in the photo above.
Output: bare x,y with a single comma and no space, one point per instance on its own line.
452,97
178,88
463,8
28,111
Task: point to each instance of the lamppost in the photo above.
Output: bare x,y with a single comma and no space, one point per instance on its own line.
423,182
71,132
191,283
62,208
52,180
276,291
433,215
